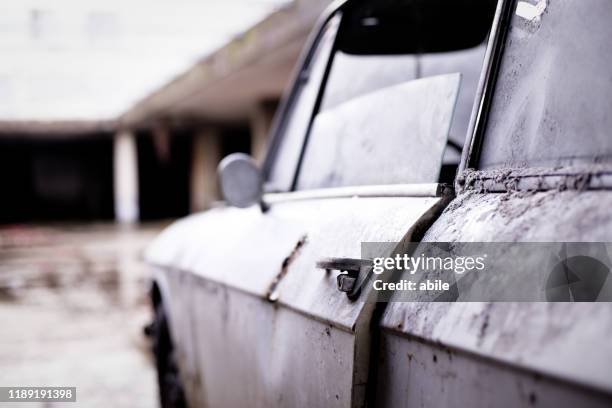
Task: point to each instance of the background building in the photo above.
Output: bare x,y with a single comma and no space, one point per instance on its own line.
77,144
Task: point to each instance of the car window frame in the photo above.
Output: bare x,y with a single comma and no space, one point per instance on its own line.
302,72
486,89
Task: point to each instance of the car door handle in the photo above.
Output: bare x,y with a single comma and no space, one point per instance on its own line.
349,272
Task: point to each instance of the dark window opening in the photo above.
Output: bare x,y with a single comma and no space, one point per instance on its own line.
163,175
59,179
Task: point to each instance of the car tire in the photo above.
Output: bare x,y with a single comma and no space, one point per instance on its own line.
171,392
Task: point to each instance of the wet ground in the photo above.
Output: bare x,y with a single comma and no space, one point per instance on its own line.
73,303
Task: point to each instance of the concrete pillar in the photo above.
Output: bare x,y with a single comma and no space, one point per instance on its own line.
126,178
261,121
205,158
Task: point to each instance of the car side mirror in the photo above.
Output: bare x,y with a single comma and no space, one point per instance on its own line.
240,180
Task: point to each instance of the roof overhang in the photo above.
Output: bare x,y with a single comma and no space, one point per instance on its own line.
227,85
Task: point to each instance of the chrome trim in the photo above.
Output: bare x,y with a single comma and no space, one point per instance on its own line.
396,190
486,86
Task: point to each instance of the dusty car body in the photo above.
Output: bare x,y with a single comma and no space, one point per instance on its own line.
360,151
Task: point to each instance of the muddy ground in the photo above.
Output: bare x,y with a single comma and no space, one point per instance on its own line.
73,303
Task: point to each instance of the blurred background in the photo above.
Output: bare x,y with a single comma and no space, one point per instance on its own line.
113,117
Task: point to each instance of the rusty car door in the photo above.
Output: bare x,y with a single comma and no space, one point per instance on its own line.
248,303
536,170
254,320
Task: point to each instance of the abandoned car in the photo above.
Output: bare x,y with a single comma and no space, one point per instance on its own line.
370,145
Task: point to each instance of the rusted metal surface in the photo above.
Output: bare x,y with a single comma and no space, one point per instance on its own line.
336,229
418,373
565,346
591,177
272,295
239,348
547,216
251,353
520,354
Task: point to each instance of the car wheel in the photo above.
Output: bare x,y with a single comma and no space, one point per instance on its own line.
171,390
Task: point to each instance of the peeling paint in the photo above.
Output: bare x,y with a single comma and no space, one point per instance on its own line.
562,178
486,315
272,293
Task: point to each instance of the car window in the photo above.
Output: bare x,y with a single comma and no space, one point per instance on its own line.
286,157
469,64
379,46
367,47
355,75
552,102
391,136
